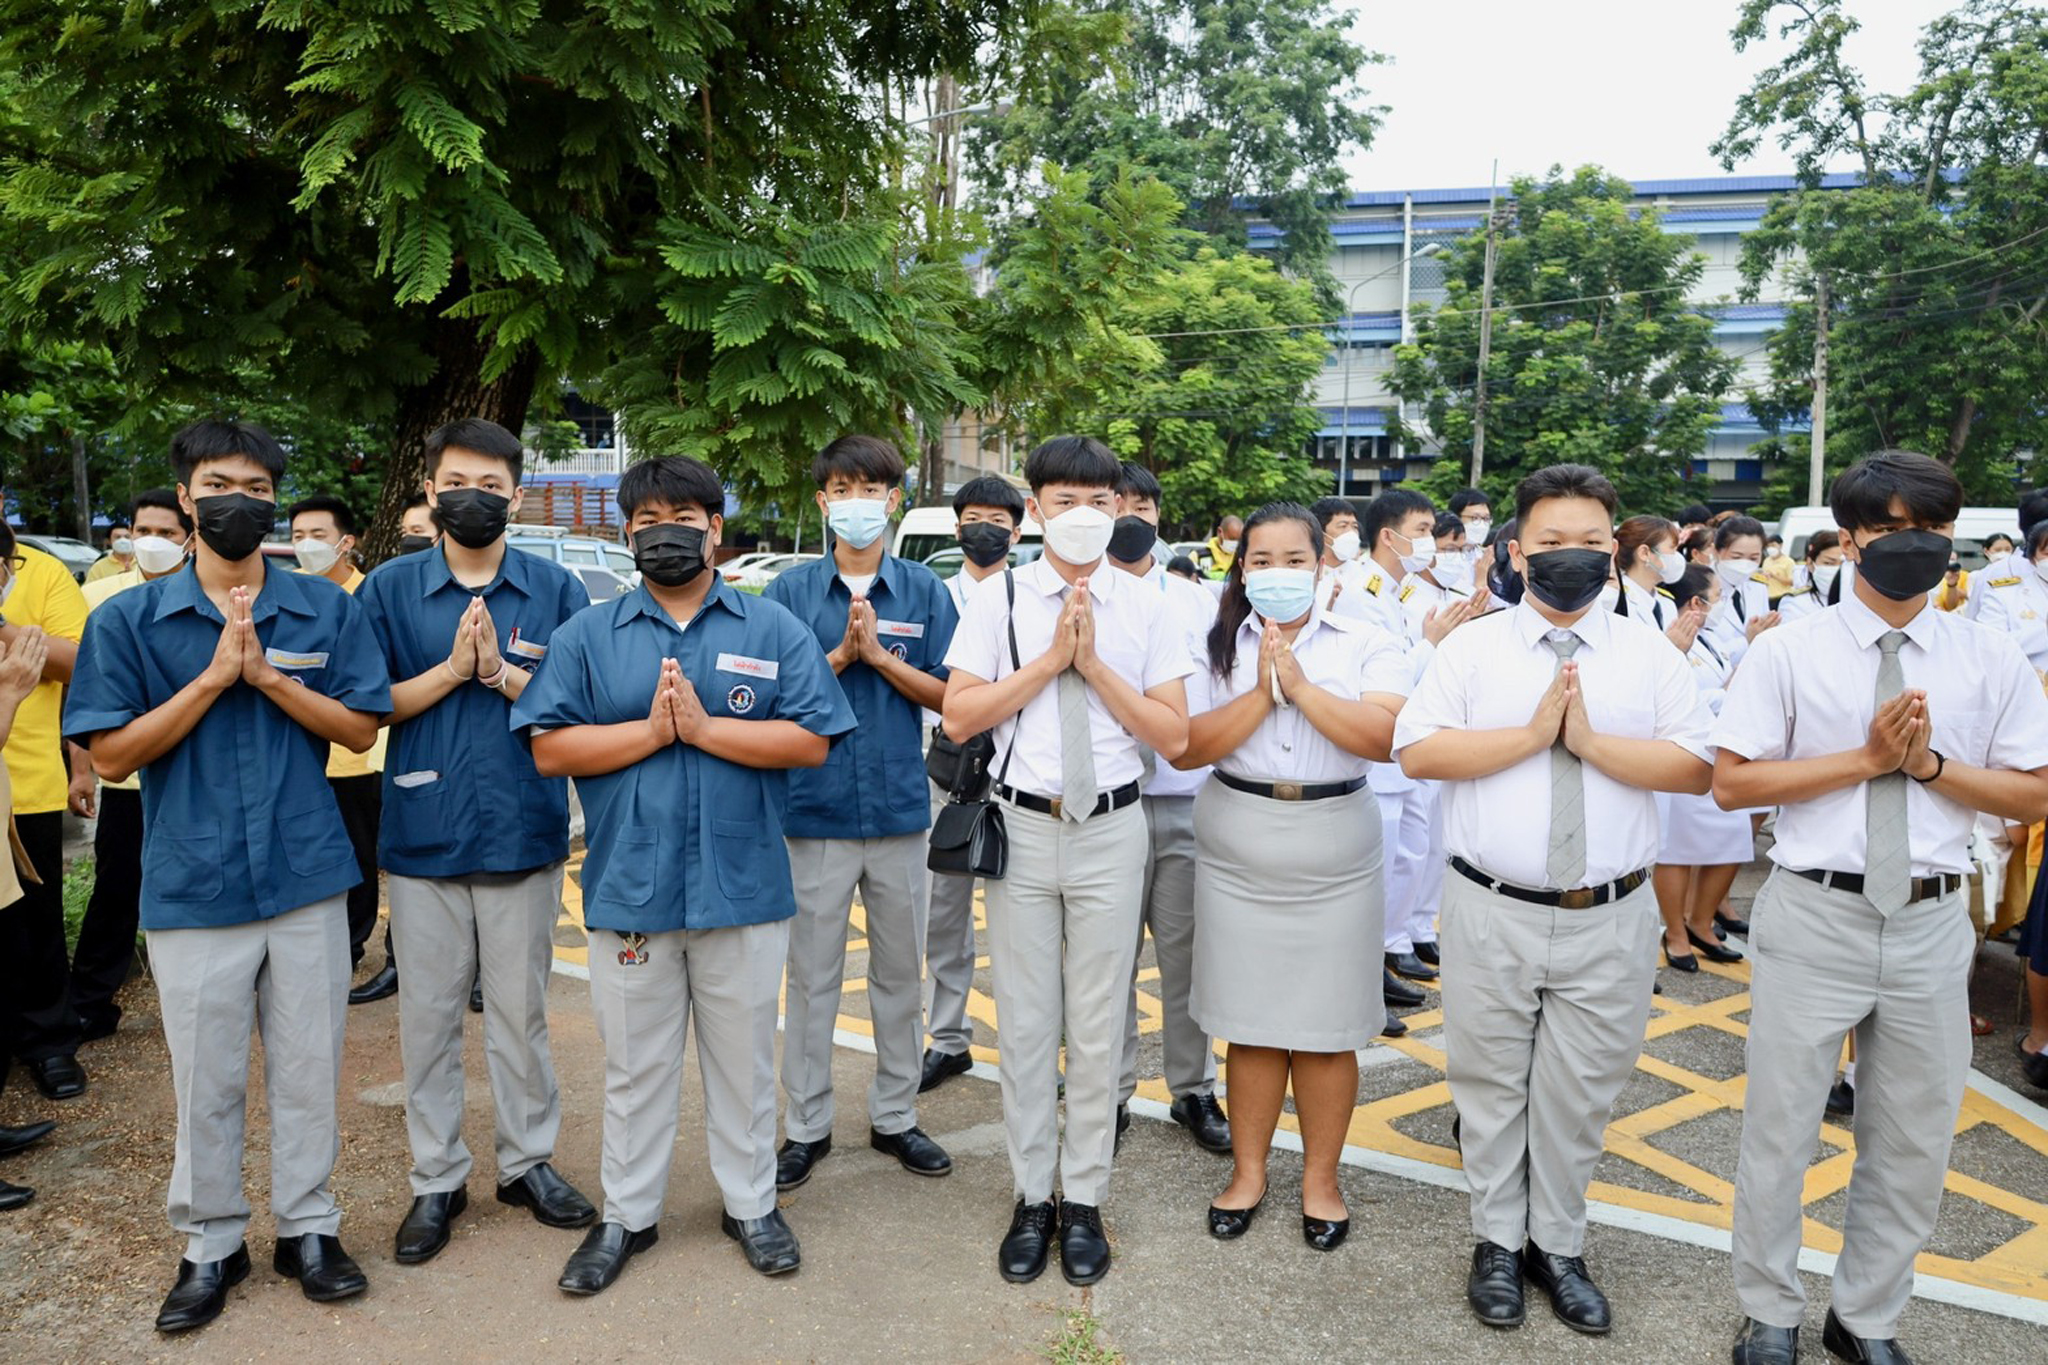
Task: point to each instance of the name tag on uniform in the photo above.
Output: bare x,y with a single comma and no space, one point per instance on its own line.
753,668
524,649
909,630
283,658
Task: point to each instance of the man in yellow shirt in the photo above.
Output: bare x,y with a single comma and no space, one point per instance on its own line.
35,977
120,555
1221,551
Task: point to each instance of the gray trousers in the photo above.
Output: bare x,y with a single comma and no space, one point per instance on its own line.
287,976
1169,912
948,956
1824,963
1063,931
893,883
446,930
727,979
1544,1011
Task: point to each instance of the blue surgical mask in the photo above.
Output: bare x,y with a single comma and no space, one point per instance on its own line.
858,521
1281,595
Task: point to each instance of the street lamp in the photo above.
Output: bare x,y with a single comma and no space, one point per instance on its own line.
1350,305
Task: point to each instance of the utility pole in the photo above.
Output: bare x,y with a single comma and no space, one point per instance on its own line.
1817,458
1485,331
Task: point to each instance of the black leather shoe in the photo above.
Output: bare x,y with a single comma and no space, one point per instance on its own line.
918,1153
324,1271
1427,950
425,1229
1494,1289
378,987
1725,925
1203,1117
1574,1297
476,996
59,1078
1681,962
1021,1257
1227,1225
769,1244
554,1201
1123,1125
2032,1063
1711,949
13,1140
1842,1099
941,1066
1084,1250
202,1291
1410,966
1757,1344
795,1162
605,1250
1325,1234
98,1026
14,1196
1394,1028
1402,996
1861,1350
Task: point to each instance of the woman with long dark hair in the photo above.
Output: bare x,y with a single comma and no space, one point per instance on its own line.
1294,707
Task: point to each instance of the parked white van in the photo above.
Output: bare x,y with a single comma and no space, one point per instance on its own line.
1973,525
924,531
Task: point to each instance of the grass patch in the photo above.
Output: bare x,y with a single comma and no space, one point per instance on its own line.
78,878
1079,1342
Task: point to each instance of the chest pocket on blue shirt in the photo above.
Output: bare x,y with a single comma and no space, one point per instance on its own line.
905,646
745,696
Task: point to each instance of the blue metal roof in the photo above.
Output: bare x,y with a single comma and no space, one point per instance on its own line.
1713,184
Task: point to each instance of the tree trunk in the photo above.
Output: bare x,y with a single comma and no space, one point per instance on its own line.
1959,431
81,492
455,389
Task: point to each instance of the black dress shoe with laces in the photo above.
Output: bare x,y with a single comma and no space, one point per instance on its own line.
382,986
1021,1257
324,1271
1400,995
605,1250
1410,966
769,1244
1494,1288
554,1201
202,1291
940,1066
1861,1350
1842,1099
1227,1225
795,1162
14,1196
1325,1234
1084,1248
1574,1297
1710,948
916,1151
426,1227
1758,1344
1204,1119
476,996
13,1140
59,1078
1427,950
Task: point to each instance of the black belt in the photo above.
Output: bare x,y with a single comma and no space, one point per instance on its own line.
1292,791
1584,898
1050,805
1919,889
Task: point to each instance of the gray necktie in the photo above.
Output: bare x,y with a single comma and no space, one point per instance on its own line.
1077,750
1567,862
1887,849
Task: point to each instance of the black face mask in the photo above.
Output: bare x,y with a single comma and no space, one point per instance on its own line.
669,555
233,524
472,517
413,544
1905,564
1566,580
1132,539
985,543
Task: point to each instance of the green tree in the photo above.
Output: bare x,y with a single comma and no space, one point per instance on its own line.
1597,356
1935,264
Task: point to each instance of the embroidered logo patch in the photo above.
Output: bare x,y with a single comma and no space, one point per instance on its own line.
899,651
740,700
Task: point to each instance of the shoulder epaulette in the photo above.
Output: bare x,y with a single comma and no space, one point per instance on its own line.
1372,585
1666,594
1759,578
1796,592
2012,582
1406,590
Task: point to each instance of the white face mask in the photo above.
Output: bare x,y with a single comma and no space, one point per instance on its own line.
1670,567
1421,551
1476,532
122,545
1824,577
1345,546
1449,563
158,554
1229,546
316,556
1080,535
1736,572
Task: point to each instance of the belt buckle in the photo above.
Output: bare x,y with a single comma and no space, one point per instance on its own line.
1055,811
1287,791
1581,899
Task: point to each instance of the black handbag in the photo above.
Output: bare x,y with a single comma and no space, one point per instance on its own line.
961,770
968,837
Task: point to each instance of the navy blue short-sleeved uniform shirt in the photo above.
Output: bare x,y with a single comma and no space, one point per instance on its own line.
239,823
684,839
461,796
874,784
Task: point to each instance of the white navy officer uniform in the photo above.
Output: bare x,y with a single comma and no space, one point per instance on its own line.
1728,622
2016,602
1827,960
1641,604
949,927
2005,566
1545,1004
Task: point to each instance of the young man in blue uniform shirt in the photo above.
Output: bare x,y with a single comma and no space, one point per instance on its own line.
677,709
473,838
860,821
224,684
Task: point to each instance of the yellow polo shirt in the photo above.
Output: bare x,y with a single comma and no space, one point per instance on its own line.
44,595
343,762
106,566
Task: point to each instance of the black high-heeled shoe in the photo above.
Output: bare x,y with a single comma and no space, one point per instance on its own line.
1227,1225
1710,949
1680,962
1325,1234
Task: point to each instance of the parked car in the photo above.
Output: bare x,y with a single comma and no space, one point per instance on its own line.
75,554
747,560
759,574
605,566
947,563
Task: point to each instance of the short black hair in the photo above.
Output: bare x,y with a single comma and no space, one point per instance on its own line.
1136,481
1389,509
2036,534
1734,529
987,490
116,523
1081,461
344,516
676,480
481,435
1564,481
2032,506
1182,565
1329,509
1691,584
210,439
416,500
1864,492
1448,524
1693,514
163,499
1468,497
869,459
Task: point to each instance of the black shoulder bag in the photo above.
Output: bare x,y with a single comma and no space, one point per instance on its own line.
968,837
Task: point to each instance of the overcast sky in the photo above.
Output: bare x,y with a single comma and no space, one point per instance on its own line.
1641,87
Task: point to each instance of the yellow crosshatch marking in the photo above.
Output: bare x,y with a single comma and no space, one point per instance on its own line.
1644,1168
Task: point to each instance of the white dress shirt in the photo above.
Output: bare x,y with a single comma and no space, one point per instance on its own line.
1193,608
2017,603
1419,597
1341,655
1134,634
959,587
1811,691
1489,675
